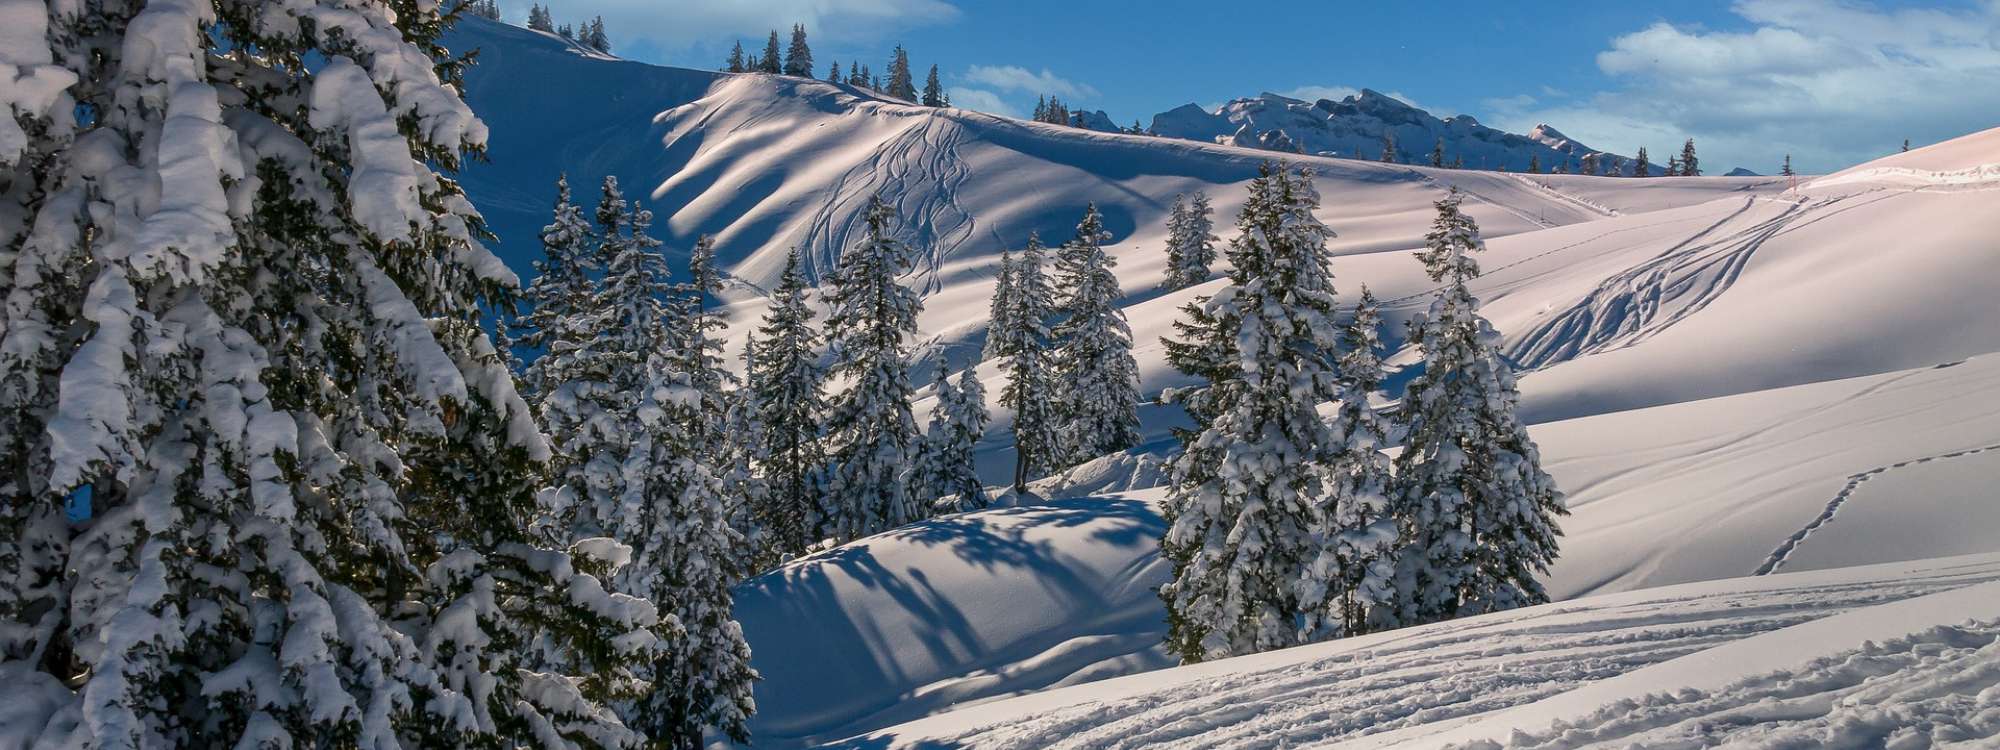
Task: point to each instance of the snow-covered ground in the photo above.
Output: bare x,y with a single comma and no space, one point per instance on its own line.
1456,681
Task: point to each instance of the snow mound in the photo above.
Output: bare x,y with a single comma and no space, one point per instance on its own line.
953,611
1968,162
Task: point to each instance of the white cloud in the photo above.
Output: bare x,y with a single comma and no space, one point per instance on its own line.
670,27
1016,79
1830,83
982,100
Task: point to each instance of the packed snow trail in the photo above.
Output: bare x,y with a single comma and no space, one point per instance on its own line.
1913,673
1784,551
1423,677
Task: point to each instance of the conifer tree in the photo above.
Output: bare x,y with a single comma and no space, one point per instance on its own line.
773,60
540,20
1388,147
833,72
1437,153
559,298
1041,109
1690,166
1906,144
901,84
1024,349
1095,371
944,472
1673,165
1245,492
594,36
1786,170
1534,164
799,56
855,77
736,63
871,433
1354,530
683,550
786,380
997,325
934,95
1640,166
1190,241
566,31
1476,511
248,324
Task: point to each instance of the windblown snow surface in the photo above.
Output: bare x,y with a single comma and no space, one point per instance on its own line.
1746,391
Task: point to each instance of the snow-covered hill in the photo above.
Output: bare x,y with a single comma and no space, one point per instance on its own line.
1356,126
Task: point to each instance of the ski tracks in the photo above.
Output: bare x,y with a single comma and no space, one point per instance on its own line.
1784,550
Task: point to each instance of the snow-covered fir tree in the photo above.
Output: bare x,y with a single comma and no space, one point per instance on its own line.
736,63
855,77
1690,164
593,35
683,561
1245,493
539,18
241,335
1388,147
785,381
489,9
557,320
1477,513
1354,530
1437,153
902,84
1641,166
996,314
944,470
799,56
833,72
1095,372
1786,170
1190,241
1024,350
934,94
772,61
727,421
871,433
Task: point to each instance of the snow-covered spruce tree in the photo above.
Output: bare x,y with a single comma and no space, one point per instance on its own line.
558,300
799,56
871,434
1003,298
833,72
1354,530
958,420
683,560
1388,147
539,18
902,84
241,336
1437,153
1095,372
1246,490
727,420
1477,513
1190,241
594,37
786,380
1690,165
1024,349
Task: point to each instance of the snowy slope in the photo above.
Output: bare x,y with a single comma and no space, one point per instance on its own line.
1413,686
991,604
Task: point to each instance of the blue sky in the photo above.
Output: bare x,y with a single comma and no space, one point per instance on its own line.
1832,83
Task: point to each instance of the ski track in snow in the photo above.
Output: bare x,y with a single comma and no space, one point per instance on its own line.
1440,673
1929,688
1791,544
1551,191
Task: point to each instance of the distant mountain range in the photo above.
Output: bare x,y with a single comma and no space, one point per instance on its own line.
1358,125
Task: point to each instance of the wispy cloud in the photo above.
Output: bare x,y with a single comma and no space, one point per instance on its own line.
1830,83
1016,79
982,100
